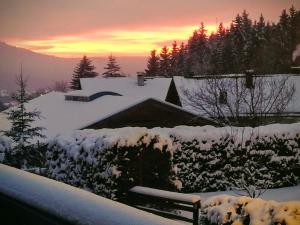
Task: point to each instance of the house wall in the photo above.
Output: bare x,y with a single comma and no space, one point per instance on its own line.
149,114
172,95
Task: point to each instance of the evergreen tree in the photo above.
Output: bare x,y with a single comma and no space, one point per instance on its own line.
217,45
181,66
164,63
112,68
174,59
24,153
266,48
283,42
248,42
260,38
198,52
191,54
228,55
242,37
84,69
152,65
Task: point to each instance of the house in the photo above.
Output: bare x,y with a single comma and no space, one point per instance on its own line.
176,93
109,103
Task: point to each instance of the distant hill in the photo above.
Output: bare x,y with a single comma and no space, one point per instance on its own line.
44,70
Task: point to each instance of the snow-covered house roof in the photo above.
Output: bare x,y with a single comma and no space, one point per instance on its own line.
64,112
60,116
127,86
182,84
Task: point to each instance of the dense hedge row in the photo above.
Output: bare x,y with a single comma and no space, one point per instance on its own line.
265,162
110,169
108,162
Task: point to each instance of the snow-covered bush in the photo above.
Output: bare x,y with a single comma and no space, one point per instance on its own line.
109,162
223,162
5,146
194,159
35,157
225,209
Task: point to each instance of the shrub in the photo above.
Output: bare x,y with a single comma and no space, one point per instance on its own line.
190,159
110,167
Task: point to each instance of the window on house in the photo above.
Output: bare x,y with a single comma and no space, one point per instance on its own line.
223,97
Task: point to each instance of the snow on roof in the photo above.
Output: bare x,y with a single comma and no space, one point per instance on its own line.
127,86
69,203
61,116
81,93
182,83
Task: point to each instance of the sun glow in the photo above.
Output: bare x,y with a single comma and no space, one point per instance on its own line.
119,42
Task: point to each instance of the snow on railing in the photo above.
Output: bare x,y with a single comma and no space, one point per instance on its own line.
71,204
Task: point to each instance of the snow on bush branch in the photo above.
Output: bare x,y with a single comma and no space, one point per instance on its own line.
5,146
192,159
109,162
225,209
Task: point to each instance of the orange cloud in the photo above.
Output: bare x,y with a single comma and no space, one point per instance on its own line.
119,42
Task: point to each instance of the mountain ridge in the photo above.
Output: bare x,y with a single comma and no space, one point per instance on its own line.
43,70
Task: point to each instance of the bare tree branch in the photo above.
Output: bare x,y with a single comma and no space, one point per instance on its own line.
269,95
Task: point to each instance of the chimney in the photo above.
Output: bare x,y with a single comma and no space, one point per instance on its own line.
249,79
140,79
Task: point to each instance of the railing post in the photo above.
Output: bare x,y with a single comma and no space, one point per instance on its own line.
196,213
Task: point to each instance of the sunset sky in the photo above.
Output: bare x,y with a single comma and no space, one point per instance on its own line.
71,28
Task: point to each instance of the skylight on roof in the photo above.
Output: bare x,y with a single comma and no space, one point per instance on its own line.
85,97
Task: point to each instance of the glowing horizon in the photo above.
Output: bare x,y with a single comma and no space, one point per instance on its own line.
137,42
97,28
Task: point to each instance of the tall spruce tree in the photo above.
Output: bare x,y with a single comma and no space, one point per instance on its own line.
198,52
152,65
283,38
174,59
165,63
181,58
112,68
217,51
24,153
241,34
84,69
260,59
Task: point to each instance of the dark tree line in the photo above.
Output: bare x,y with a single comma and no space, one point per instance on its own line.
246,44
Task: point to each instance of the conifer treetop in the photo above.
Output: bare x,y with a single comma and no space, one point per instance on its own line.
84,69
112,68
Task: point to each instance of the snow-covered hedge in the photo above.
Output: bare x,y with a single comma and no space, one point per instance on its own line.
193,159
109,162
226,209
5,146
264,158
30,159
